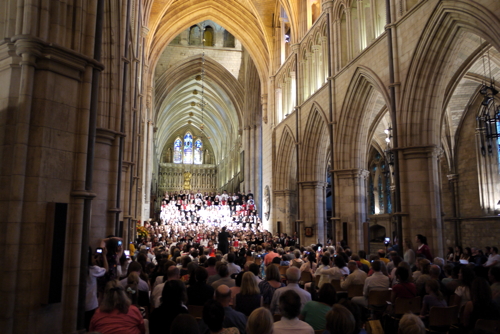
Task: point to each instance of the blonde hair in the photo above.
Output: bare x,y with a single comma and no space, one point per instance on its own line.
115,298
260,322
411,324
249,285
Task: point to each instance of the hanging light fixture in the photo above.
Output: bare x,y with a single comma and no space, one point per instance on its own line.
488,120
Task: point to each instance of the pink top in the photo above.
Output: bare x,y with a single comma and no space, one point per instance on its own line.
118,323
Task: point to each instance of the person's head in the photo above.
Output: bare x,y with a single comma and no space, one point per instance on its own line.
402,274
273,273
480,292
325,260
494,250
435,271
494,274
356,313
249,284
311,257
254,268
223,295
223,271
352,265
115,298
381,253
466,275
339,261
292,274
134,266
213,315
260,321
173,273
276,260
174,292
340,320
420,239
377,265
289,304
231,257
201,274
211,261
184,324
432,286
425,266
362,254
327,294
296,253
411,324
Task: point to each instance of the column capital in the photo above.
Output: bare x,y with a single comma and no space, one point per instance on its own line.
312,184
351,173
284,192
419,152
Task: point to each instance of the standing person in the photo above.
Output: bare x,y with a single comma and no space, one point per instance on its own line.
94,271
174,298
422,247
116,314
223,241
409,255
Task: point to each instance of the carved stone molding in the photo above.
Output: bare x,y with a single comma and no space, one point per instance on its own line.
351,173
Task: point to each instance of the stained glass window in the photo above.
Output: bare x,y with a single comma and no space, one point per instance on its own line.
371,195
380,194
177,151
188,148
388,194
198,149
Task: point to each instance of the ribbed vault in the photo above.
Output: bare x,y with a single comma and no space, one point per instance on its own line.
178,105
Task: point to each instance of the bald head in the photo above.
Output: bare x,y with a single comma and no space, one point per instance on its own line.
293,274
173,273
223,295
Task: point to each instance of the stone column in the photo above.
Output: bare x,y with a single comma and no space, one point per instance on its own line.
420,195
312,196
453,183
350,195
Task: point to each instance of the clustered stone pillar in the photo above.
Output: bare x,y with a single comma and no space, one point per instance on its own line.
312,196
420,195
351,198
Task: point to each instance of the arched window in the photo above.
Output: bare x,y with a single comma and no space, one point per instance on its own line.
198,152
194,35
188,148
379,186
208,35
177,151
228,40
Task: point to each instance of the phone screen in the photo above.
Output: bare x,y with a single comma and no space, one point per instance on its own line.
319,249
119,242
98,250
127,253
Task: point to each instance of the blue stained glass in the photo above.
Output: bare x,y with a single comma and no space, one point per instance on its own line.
380,194
198,149
177,151
388,194
188,148
372,196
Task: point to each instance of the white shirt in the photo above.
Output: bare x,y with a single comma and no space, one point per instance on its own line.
357,277
233,268
304,296
377,281
492,259
295,326
91,302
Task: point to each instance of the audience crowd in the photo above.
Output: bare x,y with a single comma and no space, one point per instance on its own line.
182,279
